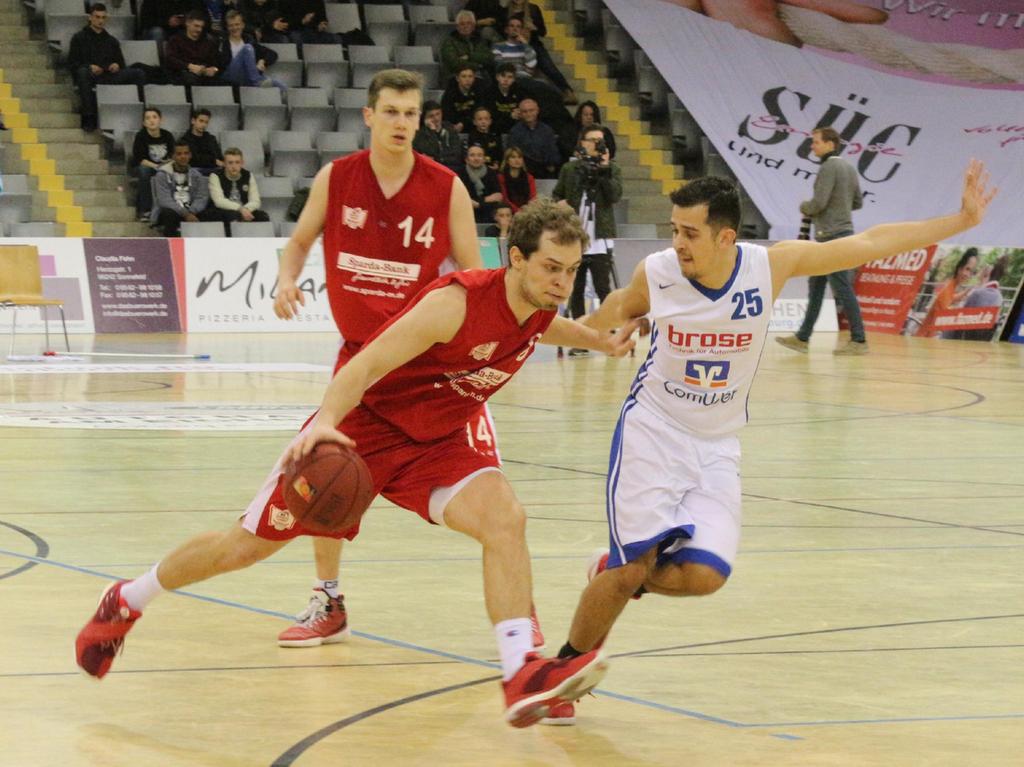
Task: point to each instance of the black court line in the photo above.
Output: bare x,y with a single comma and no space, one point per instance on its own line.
833,652
294,752
817,632
42,550
979,528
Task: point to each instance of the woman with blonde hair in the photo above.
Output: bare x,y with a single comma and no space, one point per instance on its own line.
517,185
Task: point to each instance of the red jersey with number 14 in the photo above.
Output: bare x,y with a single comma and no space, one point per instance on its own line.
436,393
378,252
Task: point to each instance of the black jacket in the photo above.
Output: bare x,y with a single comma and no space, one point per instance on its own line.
88,47
205,149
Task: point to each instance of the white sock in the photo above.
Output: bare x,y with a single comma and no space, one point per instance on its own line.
331,587
142,590
515,640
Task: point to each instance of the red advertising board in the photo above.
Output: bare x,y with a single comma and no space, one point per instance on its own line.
886,289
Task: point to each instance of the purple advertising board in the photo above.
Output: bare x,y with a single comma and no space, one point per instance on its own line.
132,286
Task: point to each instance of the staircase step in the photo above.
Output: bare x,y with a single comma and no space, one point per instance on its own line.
40,90
76,151
75,166
122,229
45,120
108,183
68,136
27,72
32,105
102,198
115,212
14,32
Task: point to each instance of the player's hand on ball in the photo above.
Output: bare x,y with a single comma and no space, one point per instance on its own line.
288,300
316,433
621,342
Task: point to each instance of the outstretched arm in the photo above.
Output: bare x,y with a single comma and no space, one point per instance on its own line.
794,258
622,305
434,320
563,332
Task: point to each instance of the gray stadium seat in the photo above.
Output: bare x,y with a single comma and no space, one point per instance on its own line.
292,154
431,34
288,67
275,196
419,58
172,102
366,61
220,100
342,17
251,145
386,24
16,200
119,110
285,228
140,52
310,111
428,14
326,66
252,229
349,103
202,229
333,145
263,112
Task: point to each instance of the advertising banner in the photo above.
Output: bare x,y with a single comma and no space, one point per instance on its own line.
62,266
887,288
132,285
915,89
230,286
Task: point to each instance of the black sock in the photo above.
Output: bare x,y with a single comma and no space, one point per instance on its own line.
568,651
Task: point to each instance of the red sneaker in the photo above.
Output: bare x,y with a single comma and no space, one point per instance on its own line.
543,683
560,715
323,622
538,635
599,563
102,638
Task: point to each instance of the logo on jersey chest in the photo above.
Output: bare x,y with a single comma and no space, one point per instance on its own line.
483,351
472,383
708,342
354,218
707,374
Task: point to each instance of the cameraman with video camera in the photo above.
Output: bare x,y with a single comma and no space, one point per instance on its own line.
591,184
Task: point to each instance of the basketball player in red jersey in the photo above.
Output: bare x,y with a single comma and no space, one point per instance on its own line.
389,218
403,402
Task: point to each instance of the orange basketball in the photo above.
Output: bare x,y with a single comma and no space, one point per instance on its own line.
329,490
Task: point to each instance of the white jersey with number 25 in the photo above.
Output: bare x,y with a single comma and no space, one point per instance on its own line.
705,344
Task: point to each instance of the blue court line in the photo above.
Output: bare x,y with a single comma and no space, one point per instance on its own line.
487,664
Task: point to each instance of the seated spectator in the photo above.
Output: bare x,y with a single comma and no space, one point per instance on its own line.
482,184
266,21
437,139
182,194
515,50
234,192
205,154
504,97
489,16
307,22
537,141
463,95
534,30
482,134
193,58
464,45
502,221
160,19
243,61
95,57
298,202
216,14
517,185
588,114
152,148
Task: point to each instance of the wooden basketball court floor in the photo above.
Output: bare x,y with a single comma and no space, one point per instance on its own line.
875,615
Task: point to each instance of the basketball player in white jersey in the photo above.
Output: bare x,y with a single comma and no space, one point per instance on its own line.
673,491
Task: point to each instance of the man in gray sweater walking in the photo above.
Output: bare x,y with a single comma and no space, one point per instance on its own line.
836,195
